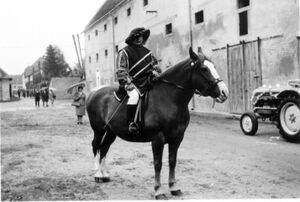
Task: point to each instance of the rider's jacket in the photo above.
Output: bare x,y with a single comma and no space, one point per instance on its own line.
137,62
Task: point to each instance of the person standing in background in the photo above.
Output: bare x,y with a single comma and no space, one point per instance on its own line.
37,96
52,96
79,98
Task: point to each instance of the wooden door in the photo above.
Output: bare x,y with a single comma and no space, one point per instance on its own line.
235,80
244,74
253,71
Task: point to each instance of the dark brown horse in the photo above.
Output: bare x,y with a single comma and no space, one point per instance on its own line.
166,115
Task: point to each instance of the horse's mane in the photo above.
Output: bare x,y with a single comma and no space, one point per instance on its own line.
169,73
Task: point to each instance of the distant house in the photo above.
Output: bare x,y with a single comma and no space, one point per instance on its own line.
61,84
16,83
5,86
34,73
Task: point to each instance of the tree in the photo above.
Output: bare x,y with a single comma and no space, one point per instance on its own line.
55,64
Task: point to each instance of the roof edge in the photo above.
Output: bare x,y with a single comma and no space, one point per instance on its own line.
89,26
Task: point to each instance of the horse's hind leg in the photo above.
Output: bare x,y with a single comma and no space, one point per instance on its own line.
96,143
102,173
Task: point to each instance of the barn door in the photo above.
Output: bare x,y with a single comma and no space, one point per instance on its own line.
244,74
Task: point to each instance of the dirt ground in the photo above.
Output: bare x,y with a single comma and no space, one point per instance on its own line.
45,155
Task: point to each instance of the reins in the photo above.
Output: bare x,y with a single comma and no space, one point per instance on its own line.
177,85
116,110
193,63
173,84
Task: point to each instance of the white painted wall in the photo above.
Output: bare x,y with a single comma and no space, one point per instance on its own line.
220,27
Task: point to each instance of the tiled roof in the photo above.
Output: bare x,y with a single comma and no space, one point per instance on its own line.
104,9
4,75
34,67
28,71
16,79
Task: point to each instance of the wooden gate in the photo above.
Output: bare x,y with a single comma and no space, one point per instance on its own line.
244,74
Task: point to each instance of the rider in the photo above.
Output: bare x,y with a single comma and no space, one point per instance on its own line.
136,68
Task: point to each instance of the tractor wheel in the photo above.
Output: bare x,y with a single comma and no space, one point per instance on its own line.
249,123
289,119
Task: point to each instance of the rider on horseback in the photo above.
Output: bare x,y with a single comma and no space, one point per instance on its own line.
136,69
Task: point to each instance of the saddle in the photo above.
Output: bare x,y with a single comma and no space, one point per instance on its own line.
138,122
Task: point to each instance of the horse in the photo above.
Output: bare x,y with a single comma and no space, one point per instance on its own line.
166,115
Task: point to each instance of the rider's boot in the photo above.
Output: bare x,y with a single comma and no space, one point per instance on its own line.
133,127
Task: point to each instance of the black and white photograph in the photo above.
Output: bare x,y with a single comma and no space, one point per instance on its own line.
113,100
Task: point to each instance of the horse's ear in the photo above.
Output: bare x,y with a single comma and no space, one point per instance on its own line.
193,55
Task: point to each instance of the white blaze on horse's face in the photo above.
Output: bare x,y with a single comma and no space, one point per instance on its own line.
212,69
222,86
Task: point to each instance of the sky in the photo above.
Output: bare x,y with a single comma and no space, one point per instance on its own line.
27,27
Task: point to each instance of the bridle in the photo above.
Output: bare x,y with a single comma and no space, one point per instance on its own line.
193,65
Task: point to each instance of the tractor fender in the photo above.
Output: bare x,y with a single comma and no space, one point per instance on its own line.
288,93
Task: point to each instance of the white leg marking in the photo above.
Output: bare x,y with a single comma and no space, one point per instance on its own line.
98,174
97,159
103,168
159,191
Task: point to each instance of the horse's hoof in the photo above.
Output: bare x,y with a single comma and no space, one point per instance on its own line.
161,197
97,179
176,192
105,179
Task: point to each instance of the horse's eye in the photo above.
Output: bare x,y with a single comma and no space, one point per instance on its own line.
204,69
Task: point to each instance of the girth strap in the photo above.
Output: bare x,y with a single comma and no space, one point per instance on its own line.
138,112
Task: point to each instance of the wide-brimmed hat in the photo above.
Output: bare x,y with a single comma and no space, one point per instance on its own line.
137,32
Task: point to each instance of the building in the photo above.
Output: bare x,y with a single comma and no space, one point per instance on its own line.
252,42
5,86
33,74
16,83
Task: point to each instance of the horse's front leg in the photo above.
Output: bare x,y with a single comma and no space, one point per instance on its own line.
157,149
173,148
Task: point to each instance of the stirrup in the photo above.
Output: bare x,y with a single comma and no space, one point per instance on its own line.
134,128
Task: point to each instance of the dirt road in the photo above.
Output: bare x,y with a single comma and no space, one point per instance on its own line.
45,155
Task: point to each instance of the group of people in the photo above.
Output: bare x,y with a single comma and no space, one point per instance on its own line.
45,95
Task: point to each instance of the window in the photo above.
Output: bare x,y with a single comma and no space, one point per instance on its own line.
243,3
106,52
169,28
116,20
128,11
117,48
89,37
199,17
105,27
96,32
243,17
199,50
97,57
145,2
90,59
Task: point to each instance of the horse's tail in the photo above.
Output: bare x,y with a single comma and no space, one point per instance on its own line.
95,104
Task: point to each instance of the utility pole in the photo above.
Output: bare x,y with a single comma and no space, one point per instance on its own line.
80,53
79,62
113,48
81,59
191,42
